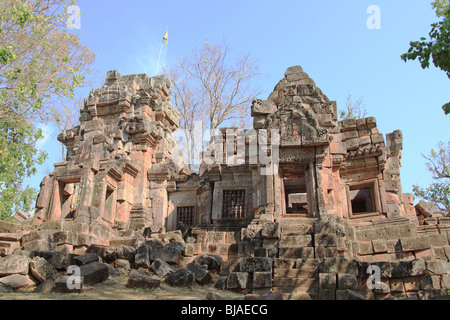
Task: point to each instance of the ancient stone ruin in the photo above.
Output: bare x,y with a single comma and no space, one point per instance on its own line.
301,206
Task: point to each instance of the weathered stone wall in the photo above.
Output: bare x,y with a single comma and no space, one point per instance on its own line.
310,222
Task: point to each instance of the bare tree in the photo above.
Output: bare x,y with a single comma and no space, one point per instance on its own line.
210,91
66,116
353,110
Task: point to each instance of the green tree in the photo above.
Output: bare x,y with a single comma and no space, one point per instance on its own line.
40,64
438,163
441,7
18,157
437,47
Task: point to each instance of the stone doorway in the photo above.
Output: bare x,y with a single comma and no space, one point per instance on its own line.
295,193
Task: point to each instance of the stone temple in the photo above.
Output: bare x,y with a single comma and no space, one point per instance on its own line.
322,202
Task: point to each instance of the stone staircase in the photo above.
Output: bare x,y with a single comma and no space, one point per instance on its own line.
295,269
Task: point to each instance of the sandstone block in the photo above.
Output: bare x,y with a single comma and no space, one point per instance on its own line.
296,253
327,281
262,280
162,268
17,281
202,276
14,264
346,281
426,208
65,284
255,264
142,257
212,261
238,281
85,259
415,243
42,270
181,278
142,281
94,272
167,254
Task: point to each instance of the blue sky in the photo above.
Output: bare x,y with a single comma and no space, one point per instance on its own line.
329,39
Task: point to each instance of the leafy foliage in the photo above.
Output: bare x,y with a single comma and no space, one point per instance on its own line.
40,64
18,157
439,191
437,47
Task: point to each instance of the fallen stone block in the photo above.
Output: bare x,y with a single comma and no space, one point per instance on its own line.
178,245
167,254
202,276
142,257
45,287
181,278
14,264
142,281
122,265
221,283
162,268
8,227
85,259
128,241
39,245
126,252
13,237
42,270
212,261
8,247
94,272
18,281
426,208
59,260
69,284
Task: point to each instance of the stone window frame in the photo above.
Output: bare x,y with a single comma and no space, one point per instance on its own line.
244,205
374,186
186,205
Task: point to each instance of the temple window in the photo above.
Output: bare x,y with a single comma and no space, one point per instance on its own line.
233,204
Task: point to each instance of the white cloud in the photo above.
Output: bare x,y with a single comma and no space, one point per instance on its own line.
47,132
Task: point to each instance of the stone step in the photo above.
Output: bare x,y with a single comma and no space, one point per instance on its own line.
296,253
293,229
295,263
295,241
296,273
303,283
303,221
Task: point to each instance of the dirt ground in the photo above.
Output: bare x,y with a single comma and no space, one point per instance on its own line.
115,288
